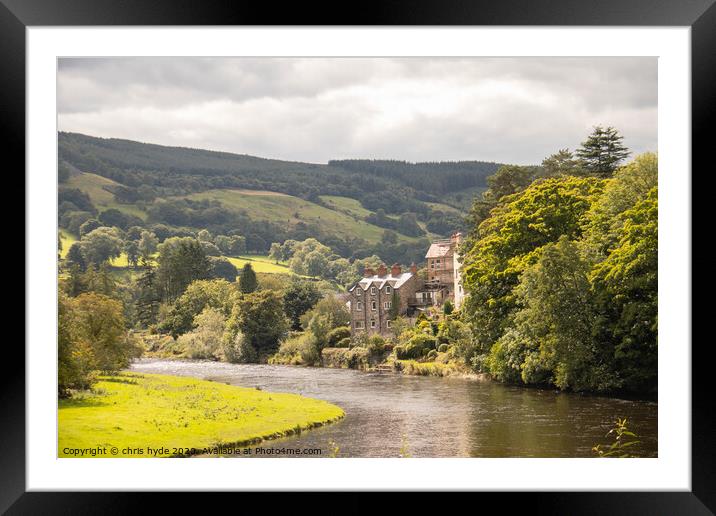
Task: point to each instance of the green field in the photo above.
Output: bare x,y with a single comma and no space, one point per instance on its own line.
67,239
96,187
288,210
260,263
142,411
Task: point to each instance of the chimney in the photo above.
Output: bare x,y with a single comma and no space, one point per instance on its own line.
413,268
395,270
382,270
368,272
456,237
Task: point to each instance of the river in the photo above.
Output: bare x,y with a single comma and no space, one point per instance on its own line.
390,414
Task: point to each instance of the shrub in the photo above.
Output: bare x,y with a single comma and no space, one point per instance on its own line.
354,358
443,348
376,345
432,354
238,350
343,343
419,345
338,334
299,349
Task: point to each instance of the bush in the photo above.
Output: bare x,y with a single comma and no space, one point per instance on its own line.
432,354
343,343
338,334
301,349
443,348
417,347
376,345
238,350
354,358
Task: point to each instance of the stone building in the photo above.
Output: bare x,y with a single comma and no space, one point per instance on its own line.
443,265
371,299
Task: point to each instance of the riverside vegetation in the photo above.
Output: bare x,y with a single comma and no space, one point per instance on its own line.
559,268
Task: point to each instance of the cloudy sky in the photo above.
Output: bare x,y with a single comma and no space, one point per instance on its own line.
510,110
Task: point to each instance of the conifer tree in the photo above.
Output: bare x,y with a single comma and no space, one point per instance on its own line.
247,281
602,152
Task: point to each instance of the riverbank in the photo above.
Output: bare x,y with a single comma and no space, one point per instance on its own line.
151,415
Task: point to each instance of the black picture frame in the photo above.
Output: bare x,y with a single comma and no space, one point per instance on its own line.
700,15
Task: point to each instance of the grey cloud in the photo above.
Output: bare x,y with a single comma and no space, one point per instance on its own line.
515,110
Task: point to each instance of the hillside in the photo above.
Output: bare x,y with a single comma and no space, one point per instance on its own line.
348,204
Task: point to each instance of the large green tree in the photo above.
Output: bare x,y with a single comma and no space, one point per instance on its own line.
259,318
181,261
299,297
510,240
247,281
602,152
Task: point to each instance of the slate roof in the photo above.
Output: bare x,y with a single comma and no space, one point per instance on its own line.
380,281
438,250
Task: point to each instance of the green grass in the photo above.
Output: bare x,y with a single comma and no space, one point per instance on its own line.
259,264
96,187
288,210
67,240
144,411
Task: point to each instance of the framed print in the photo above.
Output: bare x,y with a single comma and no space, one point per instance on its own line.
414,250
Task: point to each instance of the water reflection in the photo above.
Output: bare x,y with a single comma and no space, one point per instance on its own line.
387,414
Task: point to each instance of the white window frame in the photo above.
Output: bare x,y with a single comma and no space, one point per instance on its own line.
388,323
359,305
372,291
373,305
387,305
360,325
358,292
372,324
387,289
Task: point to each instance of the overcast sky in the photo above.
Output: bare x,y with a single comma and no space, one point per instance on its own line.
515,110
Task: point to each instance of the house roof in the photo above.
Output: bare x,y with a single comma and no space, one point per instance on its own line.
381,281
439,250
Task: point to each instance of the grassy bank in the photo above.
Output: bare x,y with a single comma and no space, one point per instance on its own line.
132,411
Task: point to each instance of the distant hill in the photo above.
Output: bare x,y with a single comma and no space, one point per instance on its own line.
348,203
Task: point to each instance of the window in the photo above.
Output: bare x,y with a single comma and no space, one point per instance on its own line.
372,291
388,323
387,305
359,325
372,324
359,306
387,289
358,292
373,305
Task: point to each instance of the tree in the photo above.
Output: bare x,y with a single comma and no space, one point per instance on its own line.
332,307
222,268
147,246
181,261
556,324
75,360
148,298
276,252
509,241
247,281
131,249
98,324
509,179
205,340
602,152
218,294
626,286
75,256
561,163
299,297
316,264
260,318
89,226
100,245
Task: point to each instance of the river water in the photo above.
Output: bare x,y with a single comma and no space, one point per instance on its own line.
390,414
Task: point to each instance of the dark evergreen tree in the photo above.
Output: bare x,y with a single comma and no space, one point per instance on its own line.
602,152
247,281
